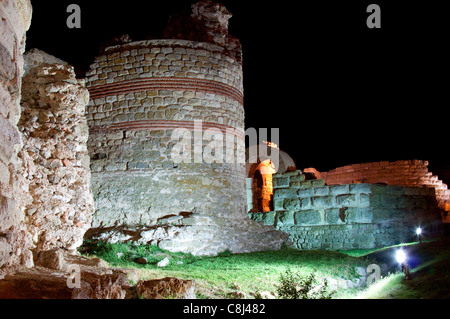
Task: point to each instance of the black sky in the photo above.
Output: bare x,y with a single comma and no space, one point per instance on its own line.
340,93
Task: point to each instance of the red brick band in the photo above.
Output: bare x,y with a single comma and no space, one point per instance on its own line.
169,125
181,84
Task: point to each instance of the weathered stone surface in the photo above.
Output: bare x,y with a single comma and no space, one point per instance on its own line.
350,216
35,57
15,17
308,217
52,259
97,285
55,176
166,287
142,94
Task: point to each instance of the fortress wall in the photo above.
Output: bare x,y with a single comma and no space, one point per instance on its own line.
141,94
413,173
346,216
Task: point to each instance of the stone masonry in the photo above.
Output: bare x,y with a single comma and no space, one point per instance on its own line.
15,19
349,216
57,199
412,173
142,94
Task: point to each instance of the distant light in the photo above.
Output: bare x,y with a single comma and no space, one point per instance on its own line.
401,256
419,231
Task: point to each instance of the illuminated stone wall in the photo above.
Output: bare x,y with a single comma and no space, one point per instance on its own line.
141,93
349,216
57,200
412,173
15,19
170,84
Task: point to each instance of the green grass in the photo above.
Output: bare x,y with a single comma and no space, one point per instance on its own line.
223,276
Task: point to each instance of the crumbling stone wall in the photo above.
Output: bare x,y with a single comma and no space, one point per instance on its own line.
141,94
15,19
168,84
57,201
412,173
349,216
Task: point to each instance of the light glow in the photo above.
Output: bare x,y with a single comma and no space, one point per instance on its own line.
419,231
401,256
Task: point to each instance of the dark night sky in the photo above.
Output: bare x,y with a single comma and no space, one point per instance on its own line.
340,93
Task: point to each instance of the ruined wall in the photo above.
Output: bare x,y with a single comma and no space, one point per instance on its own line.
349,216
141,94
15,19
413,173
57,202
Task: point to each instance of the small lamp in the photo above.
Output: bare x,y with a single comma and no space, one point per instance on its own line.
401,259
419,234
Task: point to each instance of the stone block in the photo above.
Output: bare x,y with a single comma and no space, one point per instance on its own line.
318,183
323,202
280,182
292,204
339,189
295,180
305,203
305,193
360,188
364,200
284,193
322,191
332,216
308,217
305,184
348,200
359,215
289,174
285,218
278,204
269,218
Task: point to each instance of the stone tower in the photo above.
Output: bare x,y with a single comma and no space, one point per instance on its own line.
167,140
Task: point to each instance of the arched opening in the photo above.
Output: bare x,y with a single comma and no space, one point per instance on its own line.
260,180
262,187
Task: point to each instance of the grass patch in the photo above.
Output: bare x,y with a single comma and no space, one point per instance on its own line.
246,275
225,275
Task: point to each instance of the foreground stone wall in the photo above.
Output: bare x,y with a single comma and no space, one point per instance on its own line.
412,173
57,201
349,216
15,19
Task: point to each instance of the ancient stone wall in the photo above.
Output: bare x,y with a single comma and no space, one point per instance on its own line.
57,201
349,216
140,93
413,173
151,100
15,19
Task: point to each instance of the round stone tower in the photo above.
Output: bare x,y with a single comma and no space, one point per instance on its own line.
167,140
